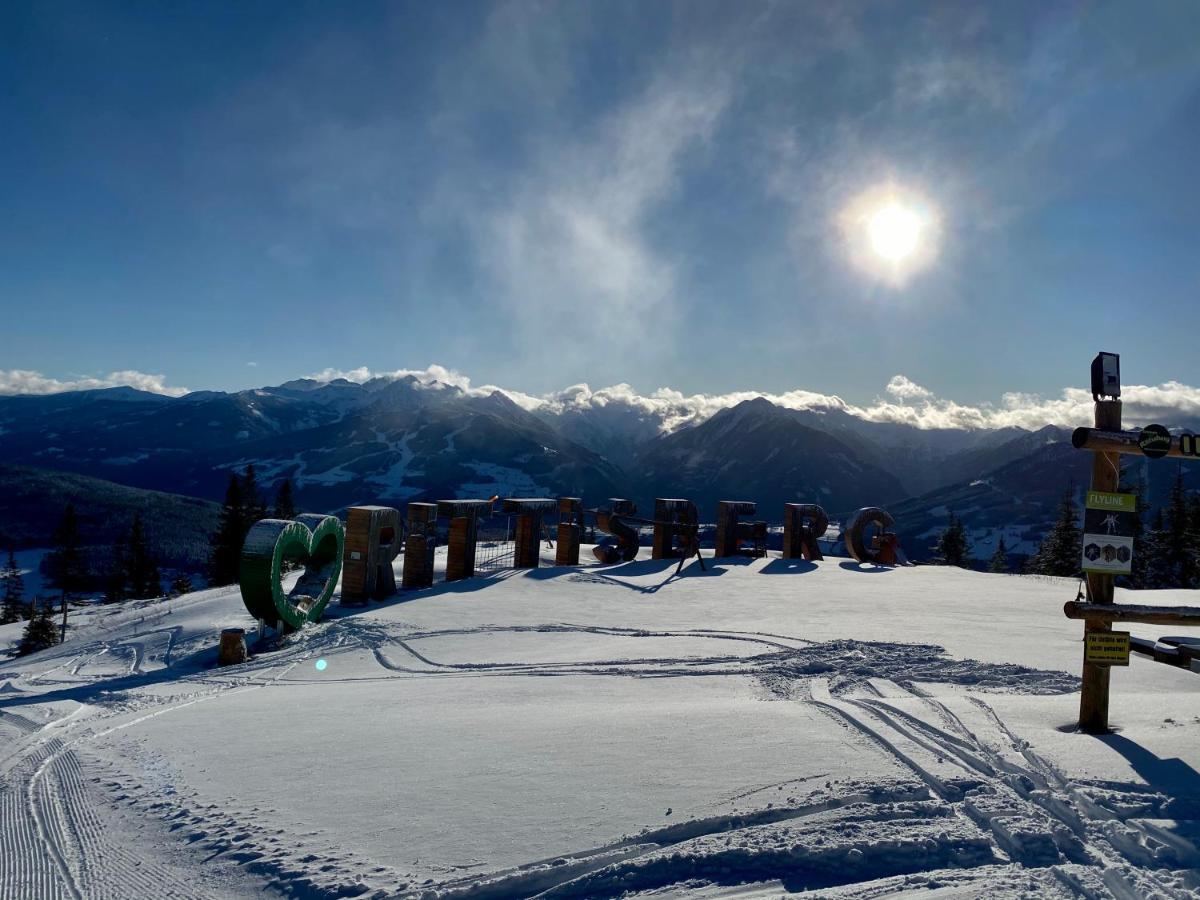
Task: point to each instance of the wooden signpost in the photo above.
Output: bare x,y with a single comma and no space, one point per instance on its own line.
1103,556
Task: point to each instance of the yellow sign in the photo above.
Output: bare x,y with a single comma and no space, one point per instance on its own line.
1110,648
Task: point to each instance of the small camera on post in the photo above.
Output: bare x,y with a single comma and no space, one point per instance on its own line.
1106,376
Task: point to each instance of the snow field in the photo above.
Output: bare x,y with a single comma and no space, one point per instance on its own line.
760,728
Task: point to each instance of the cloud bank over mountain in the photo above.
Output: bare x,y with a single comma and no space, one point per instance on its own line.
25,381
906,402
903,402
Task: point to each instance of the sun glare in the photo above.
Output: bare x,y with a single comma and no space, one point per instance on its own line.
895,232
891,233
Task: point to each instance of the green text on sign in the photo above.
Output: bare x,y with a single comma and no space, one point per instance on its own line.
1115,502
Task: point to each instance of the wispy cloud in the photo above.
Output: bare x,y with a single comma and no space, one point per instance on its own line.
570,241
25,381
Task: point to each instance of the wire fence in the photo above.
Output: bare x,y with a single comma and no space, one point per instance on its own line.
495,546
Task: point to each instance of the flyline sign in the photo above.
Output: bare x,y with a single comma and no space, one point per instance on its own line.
1108,532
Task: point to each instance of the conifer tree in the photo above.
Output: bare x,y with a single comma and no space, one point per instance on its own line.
13,604
65,564
226,543
285,504
999,561
253,507
40,632
953,545
116,581
144,579
1137,566
1158,569
180,584
1179,551
1059,553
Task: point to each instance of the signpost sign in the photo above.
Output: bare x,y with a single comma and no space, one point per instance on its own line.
1107,648
1108,523
1155,441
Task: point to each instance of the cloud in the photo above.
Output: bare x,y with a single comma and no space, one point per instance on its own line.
571,239
25,381
908,403
902,388
563,227
433,377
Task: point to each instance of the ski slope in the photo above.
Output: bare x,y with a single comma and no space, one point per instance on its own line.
760,728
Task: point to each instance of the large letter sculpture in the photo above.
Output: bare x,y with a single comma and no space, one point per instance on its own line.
372,542
676,529
803,525
419,545
528,542
623,545
883,548
464,518
570,531
313,540
731,532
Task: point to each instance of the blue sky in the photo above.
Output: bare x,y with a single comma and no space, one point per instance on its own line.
545,194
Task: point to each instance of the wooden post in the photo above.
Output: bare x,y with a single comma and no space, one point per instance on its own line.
1106,475
464,518
419,545
570,530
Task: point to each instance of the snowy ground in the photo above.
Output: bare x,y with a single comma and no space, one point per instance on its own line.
757,729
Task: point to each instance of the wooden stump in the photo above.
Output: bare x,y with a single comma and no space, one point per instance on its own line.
232,650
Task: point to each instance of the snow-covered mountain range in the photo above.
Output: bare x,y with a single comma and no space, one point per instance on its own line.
398,439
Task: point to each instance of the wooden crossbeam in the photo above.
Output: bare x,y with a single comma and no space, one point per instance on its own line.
1128,612
1112,441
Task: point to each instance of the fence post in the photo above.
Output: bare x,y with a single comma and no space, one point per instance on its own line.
1106,476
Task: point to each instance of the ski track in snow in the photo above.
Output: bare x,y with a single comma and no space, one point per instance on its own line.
970,802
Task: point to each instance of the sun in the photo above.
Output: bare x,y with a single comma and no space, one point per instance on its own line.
894,231
891,232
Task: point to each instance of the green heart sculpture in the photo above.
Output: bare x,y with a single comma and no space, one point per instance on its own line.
315,541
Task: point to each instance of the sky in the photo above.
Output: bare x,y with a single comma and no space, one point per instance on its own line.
219,196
